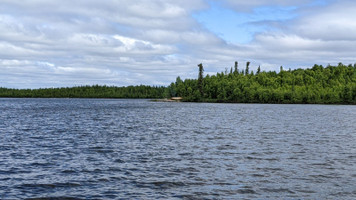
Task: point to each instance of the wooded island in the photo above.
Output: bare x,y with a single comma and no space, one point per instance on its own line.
317,85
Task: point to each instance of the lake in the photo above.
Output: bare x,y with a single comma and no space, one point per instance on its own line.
137,149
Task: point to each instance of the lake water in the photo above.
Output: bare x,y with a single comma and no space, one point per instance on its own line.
137,149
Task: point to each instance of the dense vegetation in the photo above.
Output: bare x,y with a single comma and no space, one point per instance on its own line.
95,91
329,85
322,85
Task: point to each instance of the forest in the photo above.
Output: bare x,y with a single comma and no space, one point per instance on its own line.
316,85
94,91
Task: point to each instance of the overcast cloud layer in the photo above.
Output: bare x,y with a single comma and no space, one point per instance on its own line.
56,43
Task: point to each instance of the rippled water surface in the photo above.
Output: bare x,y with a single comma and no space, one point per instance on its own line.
137,149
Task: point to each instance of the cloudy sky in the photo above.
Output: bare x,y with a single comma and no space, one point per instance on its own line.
60,43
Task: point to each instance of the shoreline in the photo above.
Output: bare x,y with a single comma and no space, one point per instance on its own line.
167,100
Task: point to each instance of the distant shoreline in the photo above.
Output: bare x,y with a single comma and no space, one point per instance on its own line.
331,85
165,100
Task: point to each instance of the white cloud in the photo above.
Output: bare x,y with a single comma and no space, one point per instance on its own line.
119,42
334,22
136,46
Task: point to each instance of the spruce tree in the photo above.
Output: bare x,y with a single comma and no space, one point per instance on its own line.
200,78
247,68
236,68
258,69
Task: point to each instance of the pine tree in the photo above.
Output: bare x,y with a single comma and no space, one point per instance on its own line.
236,68
247,68
258,69
200,78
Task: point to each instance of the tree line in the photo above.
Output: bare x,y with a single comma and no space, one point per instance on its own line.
95,91
316,85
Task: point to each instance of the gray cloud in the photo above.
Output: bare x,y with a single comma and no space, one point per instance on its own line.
331,23
66,43
248,6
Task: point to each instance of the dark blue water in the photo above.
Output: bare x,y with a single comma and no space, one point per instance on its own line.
137,149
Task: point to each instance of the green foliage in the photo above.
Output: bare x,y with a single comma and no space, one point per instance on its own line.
318,85
94,91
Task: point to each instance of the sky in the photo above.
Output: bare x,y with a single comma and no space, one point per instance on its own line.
65,43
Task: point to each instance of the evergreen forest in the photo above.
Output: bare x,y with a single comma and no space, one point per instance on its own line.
316,85
95,91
